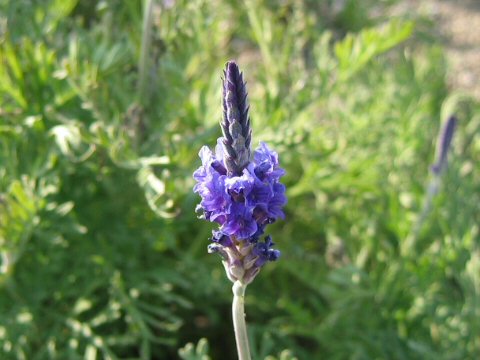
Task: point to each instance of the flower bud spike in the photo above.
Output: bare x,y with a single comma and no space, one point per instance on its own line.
235,123
443,145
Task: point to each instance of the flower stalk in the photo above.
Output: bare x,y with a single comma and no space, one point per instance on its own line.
239,323
444,143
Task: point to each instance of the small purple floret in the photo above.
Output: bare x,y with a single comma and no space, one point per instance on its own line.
265,252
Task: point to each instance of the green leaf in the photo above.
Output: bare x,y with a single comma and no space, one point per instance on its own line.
192,352
356,50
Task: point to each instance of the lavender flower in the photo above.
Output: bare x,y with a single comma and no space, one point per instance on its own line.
241,193
443,145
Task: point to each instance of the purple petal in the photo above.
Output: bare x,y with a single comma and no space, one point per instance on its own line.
240,222
205,155
263,153
240,184
260,194
277,202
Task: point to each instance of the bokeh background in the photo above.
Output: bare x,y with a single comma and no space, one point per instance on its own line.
103,108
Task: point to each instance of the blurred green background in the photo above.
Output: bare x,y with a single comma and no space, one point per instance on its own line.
103,108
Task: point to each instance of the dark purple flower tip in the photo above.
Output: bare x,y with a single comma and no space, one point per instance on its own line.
443,145
235,123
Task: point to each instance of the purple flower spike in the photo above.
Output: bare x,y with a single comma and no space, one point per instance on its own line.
443,145
241,194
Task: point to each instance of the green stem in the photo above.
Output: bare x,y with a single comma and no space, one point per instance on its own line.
144,51
239,324
410,243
